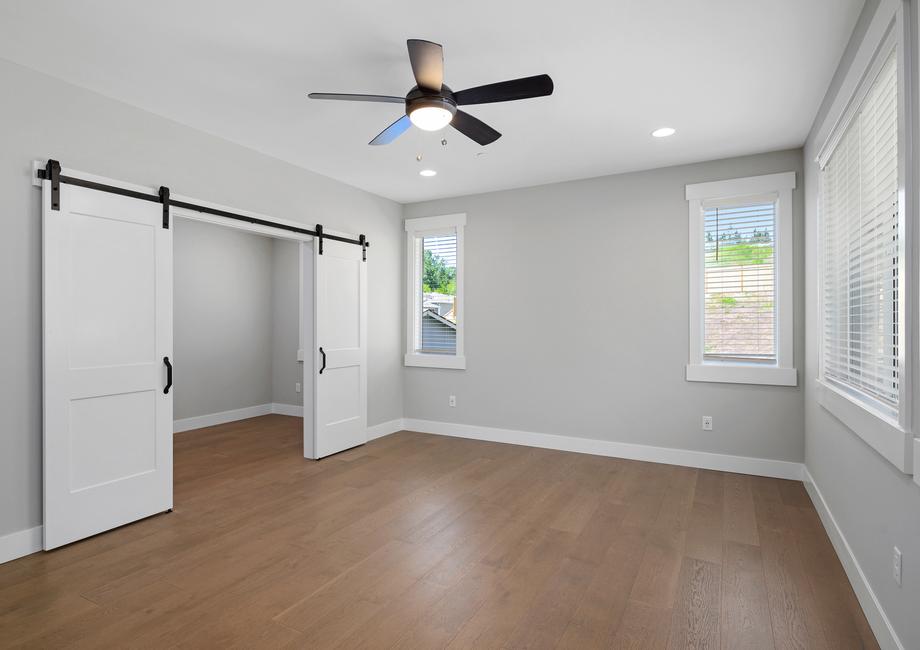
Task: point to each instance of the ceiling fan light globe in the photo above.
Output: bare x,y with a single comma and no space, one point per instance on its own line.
430,118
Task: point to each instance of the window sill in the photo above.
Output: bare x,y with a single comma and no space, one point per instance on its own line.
876,429
449,361
742,373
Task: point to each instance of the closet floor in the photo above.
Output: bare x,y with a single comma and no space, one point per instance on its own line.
421,541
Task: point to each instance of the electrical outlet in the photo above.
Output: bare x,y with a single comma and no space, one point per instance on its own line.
707,423
297,387
896,565
452,401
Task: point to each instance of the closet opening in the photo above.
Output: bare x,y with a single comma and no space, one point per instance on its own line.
241,395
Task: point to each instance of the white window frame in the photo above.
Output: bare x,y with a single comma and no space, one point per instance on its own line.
769,187
415,229
889,436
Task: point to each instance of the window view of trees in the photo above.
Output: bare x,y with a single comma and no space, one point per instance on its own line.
439,294
437,276
736,248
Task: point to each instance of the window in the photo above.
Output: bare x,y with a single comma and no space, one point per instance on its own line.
435,292
741,280
863,181
861,236
438,331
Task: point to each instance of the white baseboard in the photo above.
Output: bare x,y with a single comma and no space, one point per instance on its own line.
878,621
702,459
211,419
20,543
373,432
385,428
287,409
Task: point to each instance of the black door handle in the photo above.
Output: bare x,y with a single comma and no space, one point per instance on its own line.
168,375
324,359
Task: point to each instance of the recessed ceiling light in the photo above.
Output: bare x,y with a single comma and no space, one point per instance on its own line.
428,172
663,132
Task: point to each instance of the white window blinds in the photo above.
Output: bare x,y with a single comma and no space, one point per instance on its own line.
438,316
861,231
740,281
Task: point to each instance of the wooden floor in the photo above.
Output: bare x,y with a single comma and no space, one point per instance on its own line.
419,541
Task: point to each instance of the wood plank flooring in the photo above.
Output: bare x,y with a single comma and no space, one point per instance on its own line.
419,541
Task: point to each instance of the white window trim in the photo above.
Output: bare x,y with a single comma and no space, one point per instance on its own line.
878,430
699,195
414,229
890,437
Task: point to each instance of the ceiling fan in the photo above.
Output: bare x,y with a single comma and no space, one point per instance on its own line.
431,105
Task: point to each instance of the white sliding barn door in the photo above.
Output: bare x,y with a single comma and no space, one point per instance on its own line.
340,406
107,328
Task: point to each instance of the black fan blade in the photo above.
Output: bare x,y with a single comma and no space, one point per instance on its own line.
427,61
474,128
506,91
393,131
386,99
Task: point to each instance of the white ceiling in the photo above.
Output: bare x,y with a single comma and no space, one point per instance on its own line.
732,76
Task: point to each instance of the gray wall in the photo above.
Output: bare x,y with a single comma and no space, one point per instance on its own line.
43,117
236,318
875,505
222,319
286,370
577,318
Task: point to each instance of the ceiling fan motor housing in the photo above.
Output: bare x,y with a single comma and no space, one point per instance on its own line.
420,98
